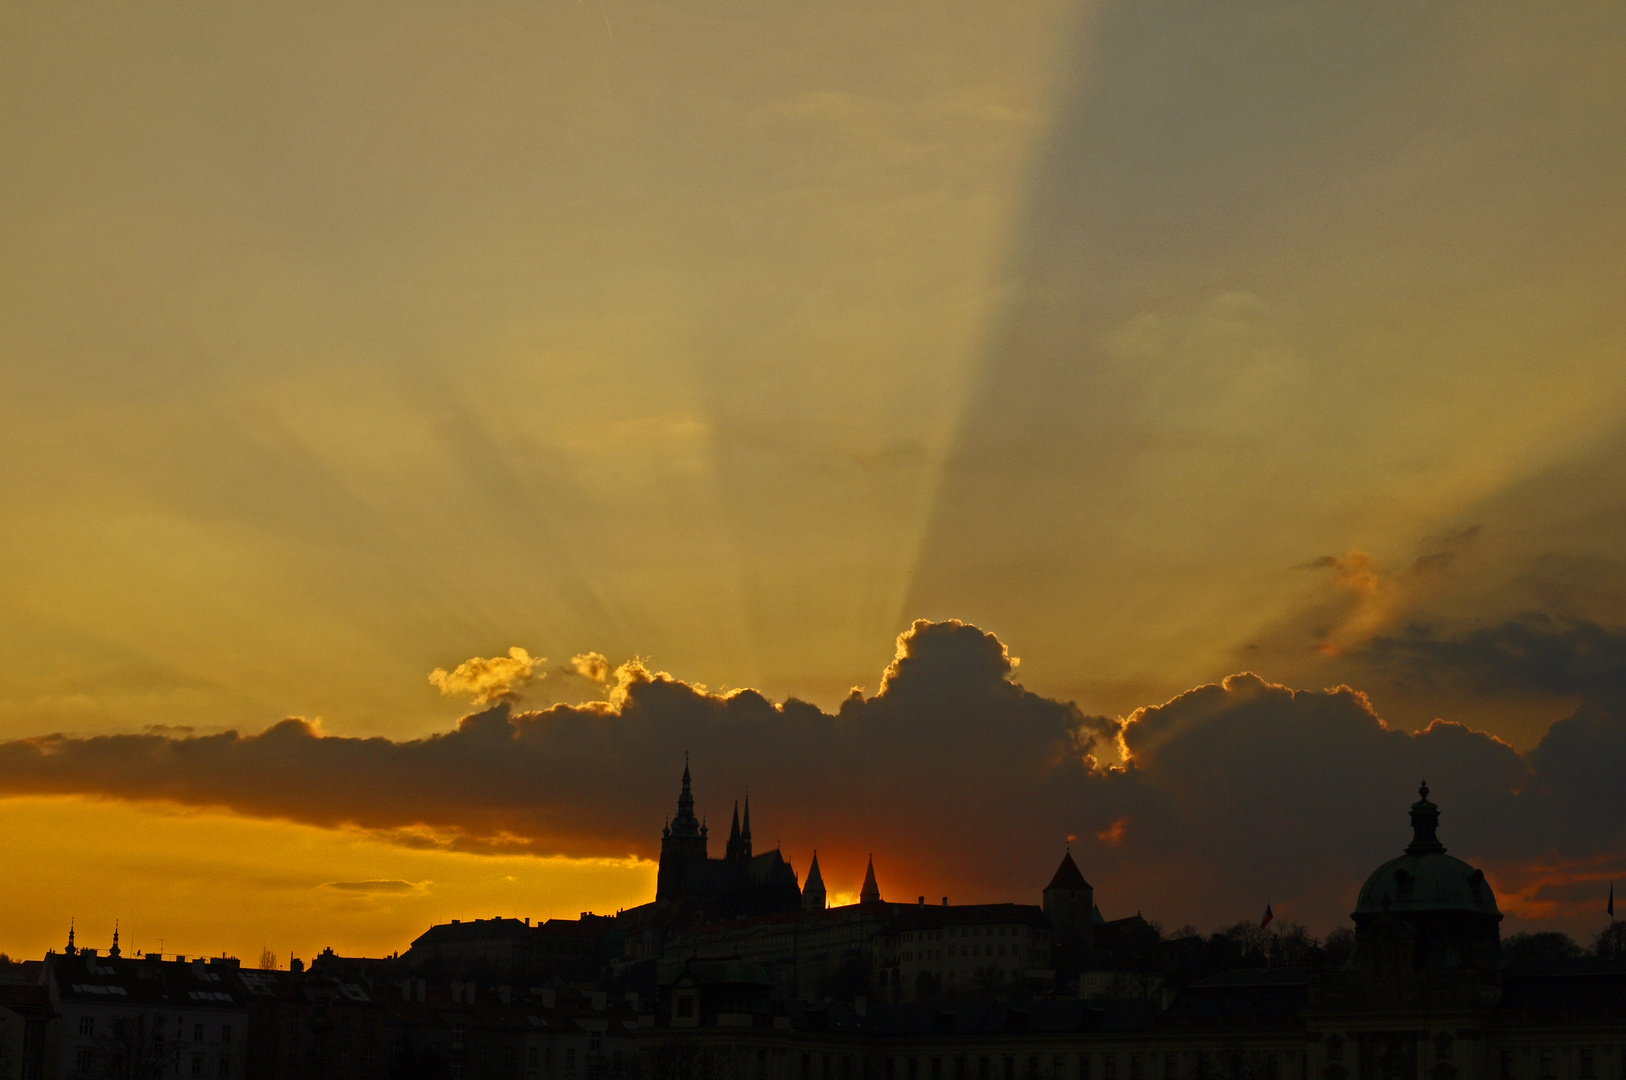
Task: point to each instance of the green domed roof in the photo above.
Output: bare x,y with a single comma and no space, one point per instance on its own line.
1425,878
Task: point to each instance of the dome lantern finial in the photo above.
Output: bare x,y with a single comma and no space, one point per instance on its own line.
1425,819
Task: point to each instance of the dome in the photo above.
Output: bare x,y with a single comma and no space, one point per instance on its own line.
1425,878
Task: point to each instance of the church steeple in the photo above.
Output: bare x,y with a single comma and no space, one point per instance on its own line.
72,949
114,951
871,892
745,830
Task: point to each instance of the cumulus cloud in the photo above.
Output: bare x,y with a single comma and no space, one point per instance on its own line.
959,779
591,666
489,679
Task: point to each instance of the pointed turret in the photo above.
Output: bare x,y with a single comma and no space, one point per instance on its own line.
871,892
1067,875
813,898
72,949
114,951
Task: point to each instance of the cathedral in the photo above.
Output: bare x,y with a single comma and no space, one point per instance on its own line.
740,883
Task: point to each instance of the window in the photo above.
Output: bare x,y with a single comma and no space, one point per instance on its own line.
1273,1069
197,1066
570,1057
225,1033
1010,1068
87,1025
1109,1067
1586,1067
1134,1067
824,1067
937,1068
914,1069
982,1069
1033,1068
1546,1065
197,1032
530,1058
83,1061
223,1069
1335,1048
457,1036
1442,1047
1083,1067
1171,1067
1507,1065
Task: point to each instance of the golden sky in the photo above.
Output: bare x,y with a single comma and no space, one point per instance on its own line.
1166,339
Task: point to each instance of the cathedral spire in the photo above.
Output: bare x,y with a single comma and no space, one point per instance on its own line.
736,843
871,892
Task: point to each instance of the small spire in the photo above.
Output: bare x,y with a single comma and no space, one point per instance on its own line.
871,892
72,949
1425,819
114,951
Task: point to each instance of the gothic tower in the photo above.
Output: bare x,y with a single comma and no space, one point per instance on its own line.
682,841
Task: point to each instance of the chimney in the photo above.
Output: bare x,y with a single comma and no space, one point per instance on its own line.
922,901
197,967
945,901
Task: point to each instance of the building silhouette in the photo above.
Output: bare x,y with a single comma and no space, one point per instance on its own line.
734,975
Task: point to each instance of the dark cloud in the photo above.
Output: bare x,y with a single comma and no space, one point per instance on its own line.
378,885
1534,653
957,778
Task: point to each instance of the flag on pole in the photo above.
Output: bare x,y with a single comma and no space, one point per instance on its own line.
1269,915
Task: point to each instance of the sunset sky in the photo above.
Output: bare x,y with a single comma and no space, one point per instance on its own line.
1253,372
